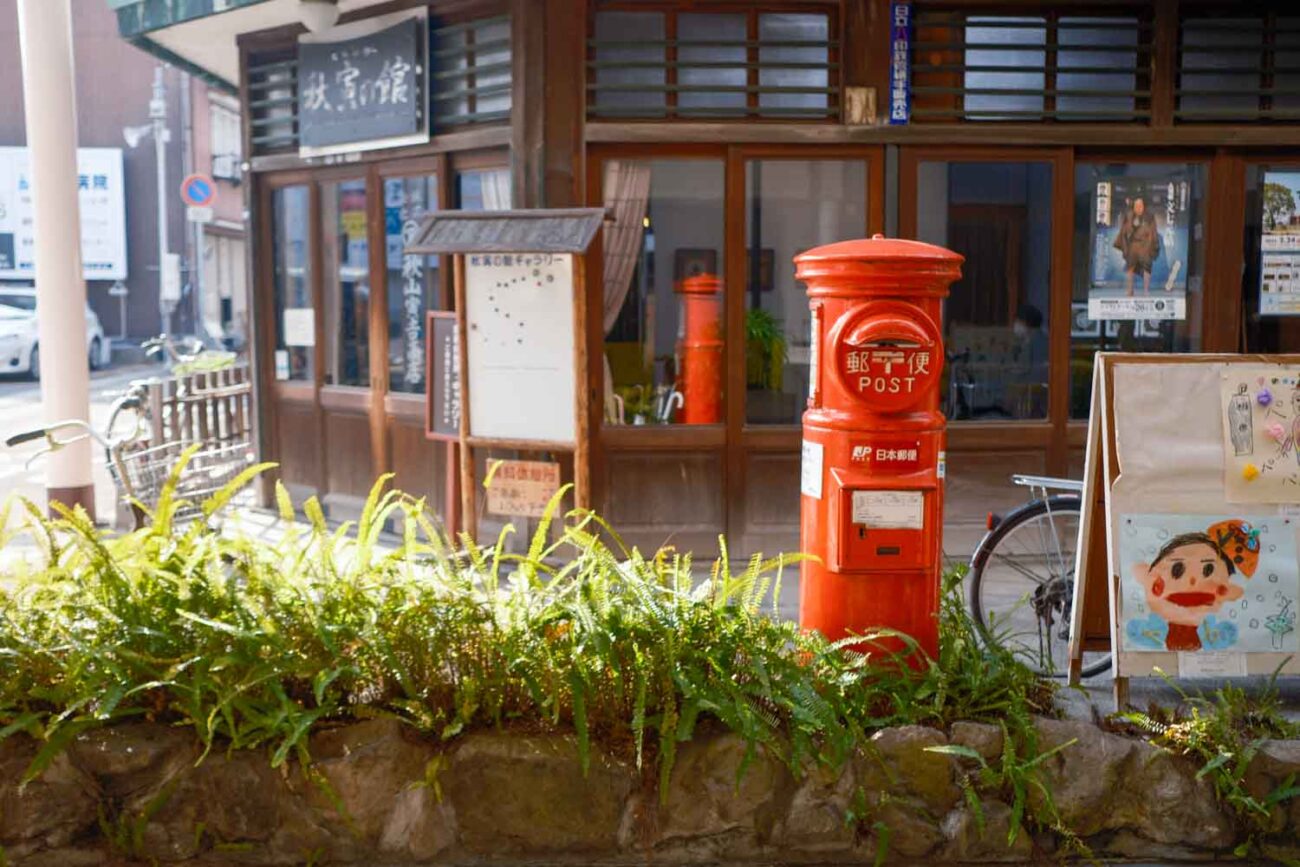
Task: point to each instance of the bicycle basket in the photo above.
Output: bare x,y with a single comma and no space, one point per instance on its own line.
145,471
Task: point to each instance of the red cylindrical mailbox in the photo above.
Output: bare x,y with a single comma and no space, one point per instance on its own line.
700,350
873,438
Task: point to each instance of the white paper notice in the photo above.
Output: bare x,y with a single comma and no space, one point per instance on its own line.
282,364
1211,664
810,470
889,510
299,326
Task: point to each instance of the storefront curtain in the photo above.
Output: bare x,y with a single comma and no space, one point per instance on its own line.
496,190
627,187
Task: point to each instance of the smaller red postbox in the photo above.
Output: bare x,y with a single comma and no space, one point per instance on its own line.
871,504
700,350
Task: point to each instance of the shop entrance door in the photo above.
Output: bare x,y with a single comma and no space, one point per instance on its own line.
346,368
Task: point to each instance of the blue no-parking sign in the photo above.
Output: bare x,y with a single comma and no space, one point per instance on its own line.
198,191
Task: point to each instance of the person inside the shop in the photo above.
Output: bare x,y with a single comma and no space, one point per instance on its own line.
1138,241
1031,354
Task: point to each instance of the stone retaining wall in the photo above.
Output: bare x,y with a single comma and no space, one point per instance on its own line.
386,796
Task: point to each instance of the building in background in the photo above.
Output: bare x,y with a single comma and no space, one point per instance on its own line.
1047,142
114,87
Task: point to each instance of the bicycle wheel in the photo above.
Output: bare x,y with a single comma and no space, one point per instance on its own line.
1022,585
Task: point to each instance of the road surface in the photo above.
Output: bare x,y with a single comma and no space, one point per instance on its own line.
20,409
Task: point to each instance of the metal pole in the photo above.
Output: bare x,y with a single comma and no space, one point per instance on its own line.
49,96
158,114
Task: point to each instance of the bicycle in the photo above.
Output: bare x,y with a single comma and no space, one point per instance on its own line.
140,468
1021,591
190,355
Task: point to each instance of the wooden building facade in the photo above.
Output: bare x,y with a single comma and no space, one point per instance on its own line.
724,137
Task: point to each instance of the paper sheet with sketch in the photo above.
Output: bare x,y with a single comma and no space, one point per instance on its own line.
1260,408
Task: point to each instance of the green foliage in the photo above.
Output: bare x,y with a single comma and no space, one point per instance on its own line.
765,354
253,643
1224,732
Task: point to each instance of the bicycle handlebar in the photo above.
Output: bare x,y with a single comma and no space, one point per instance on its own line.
25,437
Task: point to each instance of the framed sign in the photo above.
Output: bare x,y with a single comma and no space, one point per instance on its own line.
522,488
1188,549
520,341
442,407
365,87
1139,237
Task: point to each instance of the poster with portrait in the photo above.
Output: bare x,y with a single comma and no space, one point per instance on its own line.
1279,245
1198,583
1260,408
1139,247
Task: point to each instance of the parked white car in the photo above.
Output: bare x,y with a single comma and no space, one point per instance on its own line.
20,350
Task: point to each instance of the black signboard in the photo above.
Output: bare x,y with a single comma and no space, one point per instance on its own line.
442,408
362,89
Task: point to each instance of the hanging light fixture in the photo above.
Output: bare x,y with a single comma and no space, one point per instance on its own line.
318,15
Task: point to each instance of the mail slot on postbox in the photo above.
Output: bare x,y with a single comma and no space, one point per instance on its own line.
873,438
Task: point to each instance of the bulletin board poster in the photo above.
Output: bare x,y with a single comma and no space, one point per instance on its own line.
1260,407
1204,583
1195,583
1279,267
102,203
1139,237
520,346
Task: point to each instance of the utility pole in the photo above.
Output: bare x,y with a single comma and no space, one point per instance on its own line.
49,97
168,265
161,135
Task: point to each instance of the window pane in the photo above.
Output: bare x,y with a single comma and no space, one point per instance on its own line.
1088,336
1218,58
1027,73
493,33
711,29
483,190
663,292
412,280
1081,49
1286,59
635,38
346,283
793,28
793,205
291,266
999,216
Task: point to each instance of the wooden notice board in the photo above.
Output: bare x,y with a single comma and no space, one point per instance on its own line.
1187,560
522,322
442,355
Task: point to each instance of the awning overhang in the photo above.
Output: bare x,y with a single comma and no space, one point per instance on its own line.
201,36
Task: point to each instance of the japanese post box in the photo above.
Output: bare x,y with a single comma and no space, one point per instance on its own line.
871,504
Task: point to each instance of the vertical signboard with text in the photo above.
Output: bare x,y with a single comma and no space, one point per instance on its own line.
102,202
900,59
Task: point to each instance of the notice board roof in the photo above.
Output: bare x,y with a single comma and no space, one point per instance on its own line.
542,230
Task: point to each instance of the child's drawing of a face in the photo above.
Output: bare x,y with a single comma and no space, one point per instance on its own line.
1189,579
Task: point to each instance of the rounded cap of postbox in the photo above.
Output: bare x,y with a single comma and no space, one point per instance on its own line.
869,262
